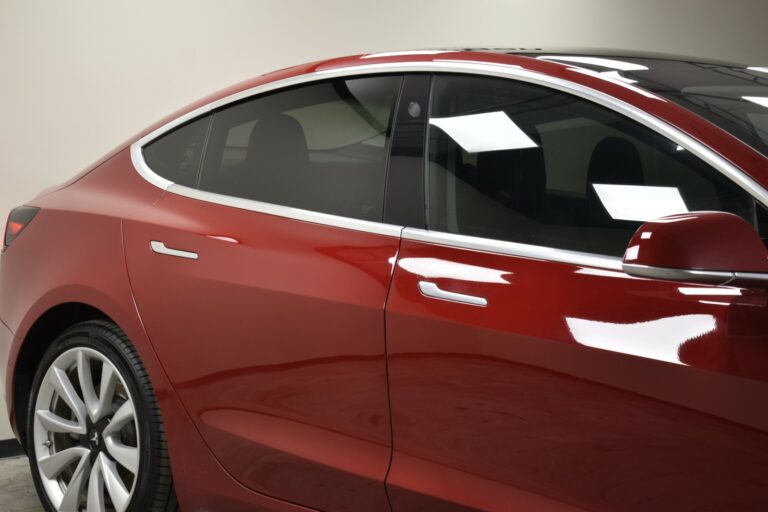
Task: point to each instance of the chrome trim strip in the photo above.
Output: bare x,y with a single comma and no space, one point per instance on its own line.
750,278
445,66
679,274
326,219
535,252
433,291
160,248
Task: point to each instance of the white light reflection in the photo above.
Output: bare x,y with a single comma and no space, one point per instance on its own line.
477,133
224,238
615,75
623,83
758,100
655,339
433,268
597,61
632,253
734,292
403,53
603,273
759,69
640,203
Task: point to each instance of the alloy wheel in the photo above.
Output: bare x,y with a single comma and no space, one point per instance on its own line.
86,436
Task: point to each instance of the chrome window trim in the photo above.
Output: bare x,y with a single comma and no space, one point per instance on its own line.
326,219
443,66
714,277
536,252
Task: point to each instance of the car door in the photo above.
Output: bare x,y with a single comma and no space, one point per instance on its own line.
261,278
526,370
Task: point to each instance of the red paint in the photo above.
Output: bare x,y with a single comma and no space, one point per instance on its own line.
574,387
716,241
275,345
284,353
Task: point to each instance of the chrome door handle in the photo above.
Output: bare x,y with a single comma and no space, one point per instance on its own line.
160,248
433,291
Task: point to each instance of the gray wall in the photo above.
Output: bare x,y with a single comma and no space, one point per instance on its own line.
79,78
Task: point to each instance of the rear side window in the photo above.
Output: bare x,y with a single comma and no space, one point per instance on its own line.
176,155
524,163
322,147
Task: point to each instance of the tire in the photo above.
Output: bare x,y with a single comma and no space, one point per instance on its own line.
100,447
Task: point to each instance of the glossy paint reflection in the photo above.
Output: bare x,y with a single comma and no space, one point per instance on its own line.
659,339
567,375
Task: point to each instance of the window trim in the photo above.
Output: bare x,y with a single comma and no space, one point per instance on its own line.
671,132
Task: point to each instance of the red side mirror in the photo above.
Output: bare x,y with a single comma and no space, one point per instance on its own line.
705,247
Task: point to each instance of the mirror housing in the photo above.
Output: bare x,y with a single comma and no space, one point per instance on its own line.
698,247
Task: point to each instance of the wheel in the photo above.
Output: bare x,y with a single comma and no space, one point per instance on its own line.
95,436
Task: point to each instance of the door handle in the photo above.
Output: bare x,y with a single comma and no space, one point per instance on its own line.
433,291
160,248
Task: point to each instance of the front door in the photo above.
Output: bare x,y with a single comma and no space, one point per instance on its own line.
527,371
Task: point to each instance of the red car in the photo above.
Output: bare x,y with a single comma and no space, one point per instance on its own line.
437,280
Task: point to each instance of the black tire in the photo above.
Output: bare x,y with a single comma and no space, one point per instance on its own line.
153,488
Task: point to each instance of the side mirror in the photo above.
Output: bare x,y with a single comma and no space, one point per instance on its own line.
698,247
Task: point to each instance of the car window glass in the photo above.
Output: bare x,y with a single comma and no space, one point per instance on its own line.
176,155
320,147
524,163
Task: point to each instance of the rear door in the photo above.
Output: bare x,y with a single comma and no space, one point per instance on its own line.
261,278
527,371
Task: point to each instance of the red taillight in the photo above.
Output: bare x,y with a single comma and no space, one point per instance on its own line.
18,219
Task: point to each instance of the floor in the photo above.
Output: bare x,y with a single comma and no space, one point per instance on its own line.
17,493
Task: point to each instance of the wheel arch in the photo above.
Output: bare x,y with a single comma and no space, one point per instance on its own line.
39,337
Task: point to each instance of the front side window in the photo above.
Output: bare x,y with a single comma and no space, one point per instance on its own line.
523,163
320,147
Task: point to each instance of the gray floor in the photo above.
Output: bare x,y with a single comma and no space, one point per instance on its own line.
17,492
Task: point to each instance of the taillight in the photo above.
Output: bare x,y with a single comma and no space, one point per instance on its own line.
18,219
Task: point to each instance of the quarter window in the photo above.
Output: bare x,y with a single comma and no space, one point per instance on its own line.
320,147
524,163
176,155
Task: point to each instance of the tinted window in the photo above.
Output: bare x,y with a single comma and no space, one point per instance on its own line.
320,147
733,96
523,163
176,155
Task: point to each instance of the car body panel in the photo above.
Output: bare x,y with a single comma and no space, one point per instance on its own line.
274,340
574,387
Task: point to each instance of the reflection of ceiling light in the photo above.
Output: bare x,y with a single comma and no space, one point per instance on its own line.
631,253
759,100
616,76
761,70
405,53
477,133
609,78
709,291
433,268
640,203
659,339
597,61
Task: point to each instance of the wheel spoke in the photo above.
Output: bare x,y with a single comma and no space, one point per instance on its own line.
71,500
53,465
95,501
107,390
127,456
121,418
55,423
86,385
61,383
114,484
